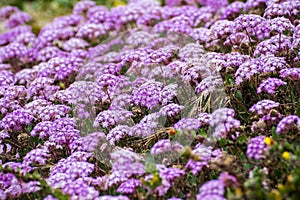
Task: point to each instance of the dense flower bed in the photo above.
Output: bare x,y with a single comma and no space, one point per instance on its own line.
192,99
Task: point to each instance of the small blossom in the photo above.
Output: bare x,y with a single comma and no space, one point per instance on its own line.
256,147
213,189
270,85
287,123
286,155
264,106
129,186
188,124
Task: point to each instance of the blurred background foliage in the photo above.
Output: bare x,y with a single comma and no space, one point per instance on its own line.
44,11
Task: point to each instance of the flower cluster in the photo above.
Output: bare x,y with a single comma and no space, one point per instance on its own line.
151,100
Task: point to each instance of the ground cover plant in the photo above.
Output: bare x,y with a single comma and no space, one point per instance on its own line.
180,99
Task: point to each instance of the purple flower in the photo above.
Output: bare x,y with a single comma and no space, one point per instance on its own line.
50,197
287,124
218,4
91,141
16,119
100,17
188,124
81,92
7,11
290,73
48,53
53,112
201,34
74,169
148,94
205,154
233,9
272,63
125,171
13,50
270,85
123,157
108,197
214,189
170,174
173,2
168,93
209,84
189,51
143,129
82,6
64,22
48,36
140,38
34,106
171,110
129,186
12,34
237,39
192,75
248,22
64,67
18,18
136,55
92,10
276,10
235,59
274,45
78,189
264,106
121,101
27,38
25,76
11,185
107,80
37,156
204,118
256,148
266,121
6,78
42,129
31,187
247,70
162,55
222,28
280,24
60,132
92,31
228,180
13,92
75,43
110,118
41,88
117,133
165,146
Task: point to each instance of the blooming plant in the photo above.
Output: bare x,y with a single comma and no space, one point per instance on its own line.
178,99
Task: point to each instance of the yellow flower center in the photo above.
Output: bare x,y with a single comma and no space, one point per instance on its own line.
268,141
286,155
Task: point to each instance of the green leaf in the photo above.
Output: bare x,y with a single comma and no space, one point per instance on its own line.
222,142
29,128
202,133
150,164
274,135
59,195
239,95
242,139
229,79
